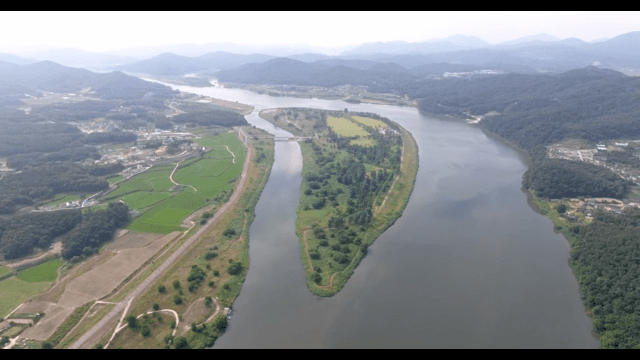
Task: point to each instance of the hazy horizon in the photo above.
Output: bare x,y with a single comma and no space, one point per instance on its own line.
321,32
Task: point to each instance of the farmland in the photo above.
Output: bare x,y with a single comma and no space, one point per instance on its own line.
163,205
345,127
14,291
47,271
368,121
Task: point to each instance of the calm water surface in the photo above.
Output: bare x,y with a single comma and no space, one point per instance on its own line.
469,264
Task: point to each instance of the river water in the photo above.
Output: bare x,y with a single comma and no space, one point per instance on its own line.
468,265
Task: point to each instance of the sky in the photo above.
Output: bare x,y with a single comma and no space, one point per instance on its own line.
113,31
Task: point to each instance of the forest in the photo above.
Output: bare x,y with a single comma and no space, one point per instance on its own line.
42,182
80,233
606,260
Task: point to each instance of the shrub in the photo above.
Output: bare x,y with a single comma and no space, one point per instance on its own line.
145,331
161,289
181,342
235,268
316,278
229,232
132,321
216,273
177,299
156,307
208,300
211,284
176,284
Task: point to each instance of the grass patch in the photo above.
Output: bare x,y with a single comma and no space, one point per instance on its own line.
345,127
14,291
47,271
368,121
5,271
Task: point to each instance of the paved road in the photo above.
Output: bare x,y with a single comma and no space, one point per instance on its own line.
161,269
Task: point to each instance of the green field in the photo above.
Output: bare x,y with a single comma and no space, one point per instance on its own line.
14,291
4,271
368,121
161,208
345,127
47,271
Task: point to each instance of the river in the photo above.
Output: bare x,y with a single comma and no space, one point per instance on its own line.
468,265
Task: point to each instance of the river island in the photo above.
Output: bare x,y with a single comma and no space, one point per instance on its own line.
358,173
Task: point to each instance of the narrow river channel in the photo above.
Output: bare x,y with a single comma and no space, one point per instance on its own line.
469,264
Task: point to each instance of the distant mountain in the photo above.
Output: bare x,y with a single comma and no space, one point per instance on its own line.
327,73
81,58
309,57
538,38
17,80
622,45
467,41
172,64
15,59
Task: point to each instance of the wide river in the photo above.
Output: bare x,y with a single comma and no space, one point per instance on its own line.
468,265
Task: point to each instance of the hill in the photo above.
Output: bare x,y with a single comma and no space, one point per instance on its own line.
17,80
172,64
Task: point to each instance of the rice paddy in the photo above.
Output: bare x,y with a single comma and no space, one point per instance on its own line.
47,271
163,205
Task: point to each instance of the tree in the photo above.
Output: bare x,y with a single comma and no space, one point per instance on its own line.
181,342
177,299
156,307
47,345
561,209
208,300
221,322
145,331
161,289
132,321
176,284
235,268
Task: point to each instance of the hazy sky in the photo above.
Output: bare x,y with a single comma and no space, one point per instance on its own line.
108,31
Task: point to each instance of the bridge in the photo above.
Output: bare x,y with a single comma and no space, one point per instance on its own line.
283,138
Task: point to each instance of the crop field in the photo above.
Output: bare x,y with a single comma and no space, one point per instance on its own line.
363,142
47,271
345,127
163,209
14,291
368,121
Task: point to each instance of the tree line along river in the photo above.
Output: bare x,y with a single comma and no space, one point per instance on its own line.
468,265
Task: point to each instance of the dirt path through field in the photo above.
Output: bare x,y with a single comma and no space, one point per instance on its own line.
306,250
171,177
234,155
